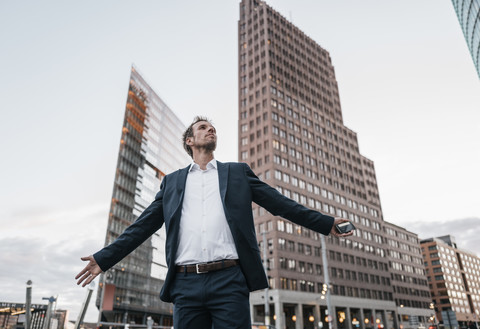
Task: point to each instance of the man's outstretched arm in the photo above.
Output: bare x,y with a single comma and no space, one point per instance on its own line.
146,224
279,205
90,272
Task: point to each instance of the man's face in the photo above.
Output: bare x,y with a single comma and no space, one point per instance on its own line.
204,136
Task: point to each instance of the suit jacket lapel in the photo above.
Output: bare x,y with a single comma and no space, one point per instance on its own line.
222,179
180,184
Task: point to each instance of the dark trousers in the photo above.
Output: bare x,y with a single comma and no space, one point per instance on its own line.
219,298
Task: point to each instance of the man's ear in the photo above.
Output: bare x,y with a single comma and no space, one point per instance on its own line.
189,141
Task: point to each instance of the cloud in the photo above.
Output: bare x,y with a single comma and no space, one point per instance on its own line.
466,231
45,247
51,267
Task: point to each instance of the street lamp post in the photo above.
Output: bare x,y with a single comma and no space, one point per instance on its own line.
432,307
327,281
400,324
265,267
48,316
83,309
28,305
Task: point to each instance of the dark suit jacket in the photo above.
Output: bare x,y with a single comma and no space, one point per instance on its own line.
239,186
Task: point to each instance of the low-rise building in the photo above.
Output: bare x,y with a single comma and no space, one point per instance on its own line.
454,280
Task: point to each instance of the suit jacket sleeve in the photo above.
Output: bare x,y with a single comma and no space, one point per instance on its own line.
269,198
146,224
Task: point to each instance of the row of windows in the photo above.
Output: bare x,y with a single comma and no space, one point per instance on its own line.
412,303
452,287
463,295
405,257
294,265
303,285
409,279
302,248
362,293
411,291
406,268
359,276
298,285
445,263
401,235
406,247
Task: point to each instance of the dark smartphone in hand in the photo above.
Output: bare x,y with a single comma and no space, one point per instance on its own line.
345,227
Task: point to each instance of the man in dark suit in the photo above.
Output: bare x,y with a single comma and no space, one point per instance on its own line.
211,248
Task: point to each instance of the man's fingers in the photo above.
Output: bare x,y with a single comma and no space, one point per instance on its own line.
90,279
85,276
85,269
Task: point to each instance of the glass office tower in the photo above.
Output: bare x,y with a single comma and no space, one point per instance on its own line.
150,148
468,13
291,133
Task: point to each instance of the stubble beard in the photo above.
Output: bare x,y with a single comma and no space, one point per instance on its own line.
209,147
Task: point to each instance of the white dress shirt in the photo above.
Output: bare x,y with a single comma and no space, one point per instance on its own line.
204,232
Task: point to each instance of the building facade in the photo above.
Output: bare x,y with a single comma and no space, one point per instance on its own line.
468,13
407,272
454,281
150,148
291,133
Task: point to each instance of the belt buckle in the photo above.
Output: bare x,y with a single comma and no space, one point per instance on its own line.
198,269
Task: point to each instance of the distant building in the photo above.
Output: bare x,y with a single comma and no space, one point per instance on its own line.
468,13
150,148
12,316
454,280
408,280
291,133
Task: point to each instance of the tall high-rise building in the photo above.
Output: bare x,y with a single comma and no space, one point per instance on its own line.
468,13
454,281
291,133
150,148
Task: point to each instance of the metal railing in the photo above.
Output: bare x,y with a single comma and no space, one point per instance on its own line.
116,325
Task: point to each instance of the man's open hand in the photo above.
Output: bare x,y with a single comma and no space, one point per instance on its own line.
90,272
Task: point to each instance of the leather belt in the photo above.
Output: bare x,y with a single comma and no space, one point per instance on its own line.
207,267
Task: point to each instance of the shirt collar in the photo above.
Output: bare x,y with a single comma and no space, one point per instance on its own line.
211,165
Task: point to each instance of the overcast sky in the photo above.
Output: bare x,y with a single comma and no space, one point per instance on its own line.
407,84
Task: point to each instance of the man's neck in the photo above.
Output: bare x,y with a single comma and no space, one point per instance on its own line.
202,159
